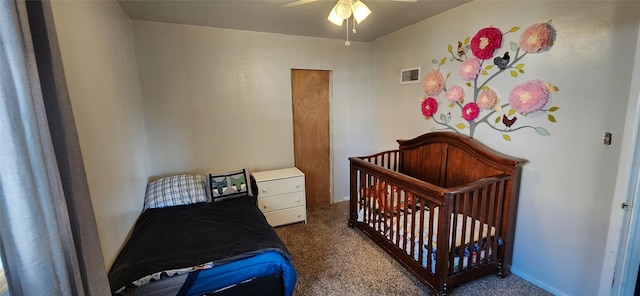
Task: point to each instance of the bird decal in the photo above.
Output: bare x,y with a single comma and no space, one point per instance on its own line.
445,117
461,50
503,61
508,122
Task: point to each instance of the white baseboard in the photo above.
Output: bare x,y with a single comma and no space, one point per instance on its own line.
537,283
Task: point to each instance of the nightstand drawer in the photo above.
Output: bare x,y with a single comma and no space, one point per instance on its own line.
286,216
280,186
282,201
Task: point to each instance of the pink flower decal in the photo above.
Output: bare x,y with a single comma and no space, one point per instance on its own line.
485,42
470,111
487,98
469,69
455,93
433,83
537,37
529,96
429,107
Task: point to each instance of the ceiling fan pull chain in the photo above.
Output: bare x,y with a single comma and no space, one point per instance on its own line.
354,25
347,43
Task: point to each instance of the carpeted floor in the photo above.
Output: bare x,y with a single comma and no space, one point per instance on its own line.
333,259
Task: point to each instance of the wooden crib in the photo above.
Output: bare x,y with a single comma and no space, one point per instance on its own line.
443,205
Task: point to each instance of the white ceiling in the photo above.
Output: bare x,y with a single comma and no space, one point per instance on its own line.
309,19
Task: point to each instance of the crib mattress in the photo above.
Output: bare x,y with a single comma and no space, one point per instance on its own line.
390,226
472,226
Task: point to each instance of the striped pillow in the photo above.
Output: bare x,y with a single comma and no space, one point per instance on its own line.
176,190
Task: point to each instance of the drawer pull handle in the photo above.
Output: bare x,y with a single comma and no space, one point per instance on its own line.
264,206
297,185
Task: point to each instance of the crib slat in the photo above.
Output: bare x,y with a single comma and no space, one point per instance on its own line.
484,236
492,205
402,207
501,191
400,231
362,194
375,203
370,202
405,233
463,235
417,214
492,220
395,193
386,160
482,217
474,233
430,266
378,207
452,238
414,229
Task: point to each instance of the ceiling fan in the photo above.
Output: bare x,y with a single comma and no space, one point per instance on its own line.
301,2
344,10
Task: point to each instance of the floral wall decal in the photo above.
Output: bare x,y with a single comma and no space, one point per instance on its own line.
478,62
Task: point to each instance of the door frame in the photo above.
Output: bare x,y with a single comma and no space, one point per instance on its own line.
622,252
331,154
628,258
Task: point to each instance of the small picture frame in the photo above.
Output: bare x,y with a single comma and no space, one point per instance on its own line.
410,75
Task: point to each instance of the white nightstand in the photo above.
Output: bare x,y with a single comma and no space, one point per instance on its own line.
281,196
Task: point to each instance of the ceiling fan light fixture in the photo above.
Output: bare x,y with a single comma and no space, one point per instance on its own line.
334,18
360,11
343,9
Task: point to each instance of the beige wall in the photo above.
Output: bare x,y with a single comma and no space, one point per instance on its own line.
568,185
96,43
213,100
218,99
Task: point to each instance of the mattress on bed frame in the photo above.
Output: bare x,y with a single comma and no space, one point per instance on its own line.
200,248
269,273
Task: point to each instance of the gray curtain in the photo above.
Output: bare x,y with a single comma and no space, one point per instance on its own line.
48,235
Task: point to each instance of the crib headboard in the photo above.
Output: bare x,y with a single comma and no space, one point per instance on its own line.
451,159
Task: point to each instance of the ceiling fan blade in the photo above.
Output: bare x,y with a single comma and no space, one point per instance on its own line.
297,2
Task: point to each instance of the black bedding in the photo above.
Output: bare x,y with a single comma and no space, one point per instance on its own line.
191,235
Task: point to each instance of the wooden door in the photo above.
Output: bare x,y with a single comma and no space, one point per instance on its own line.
310,101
